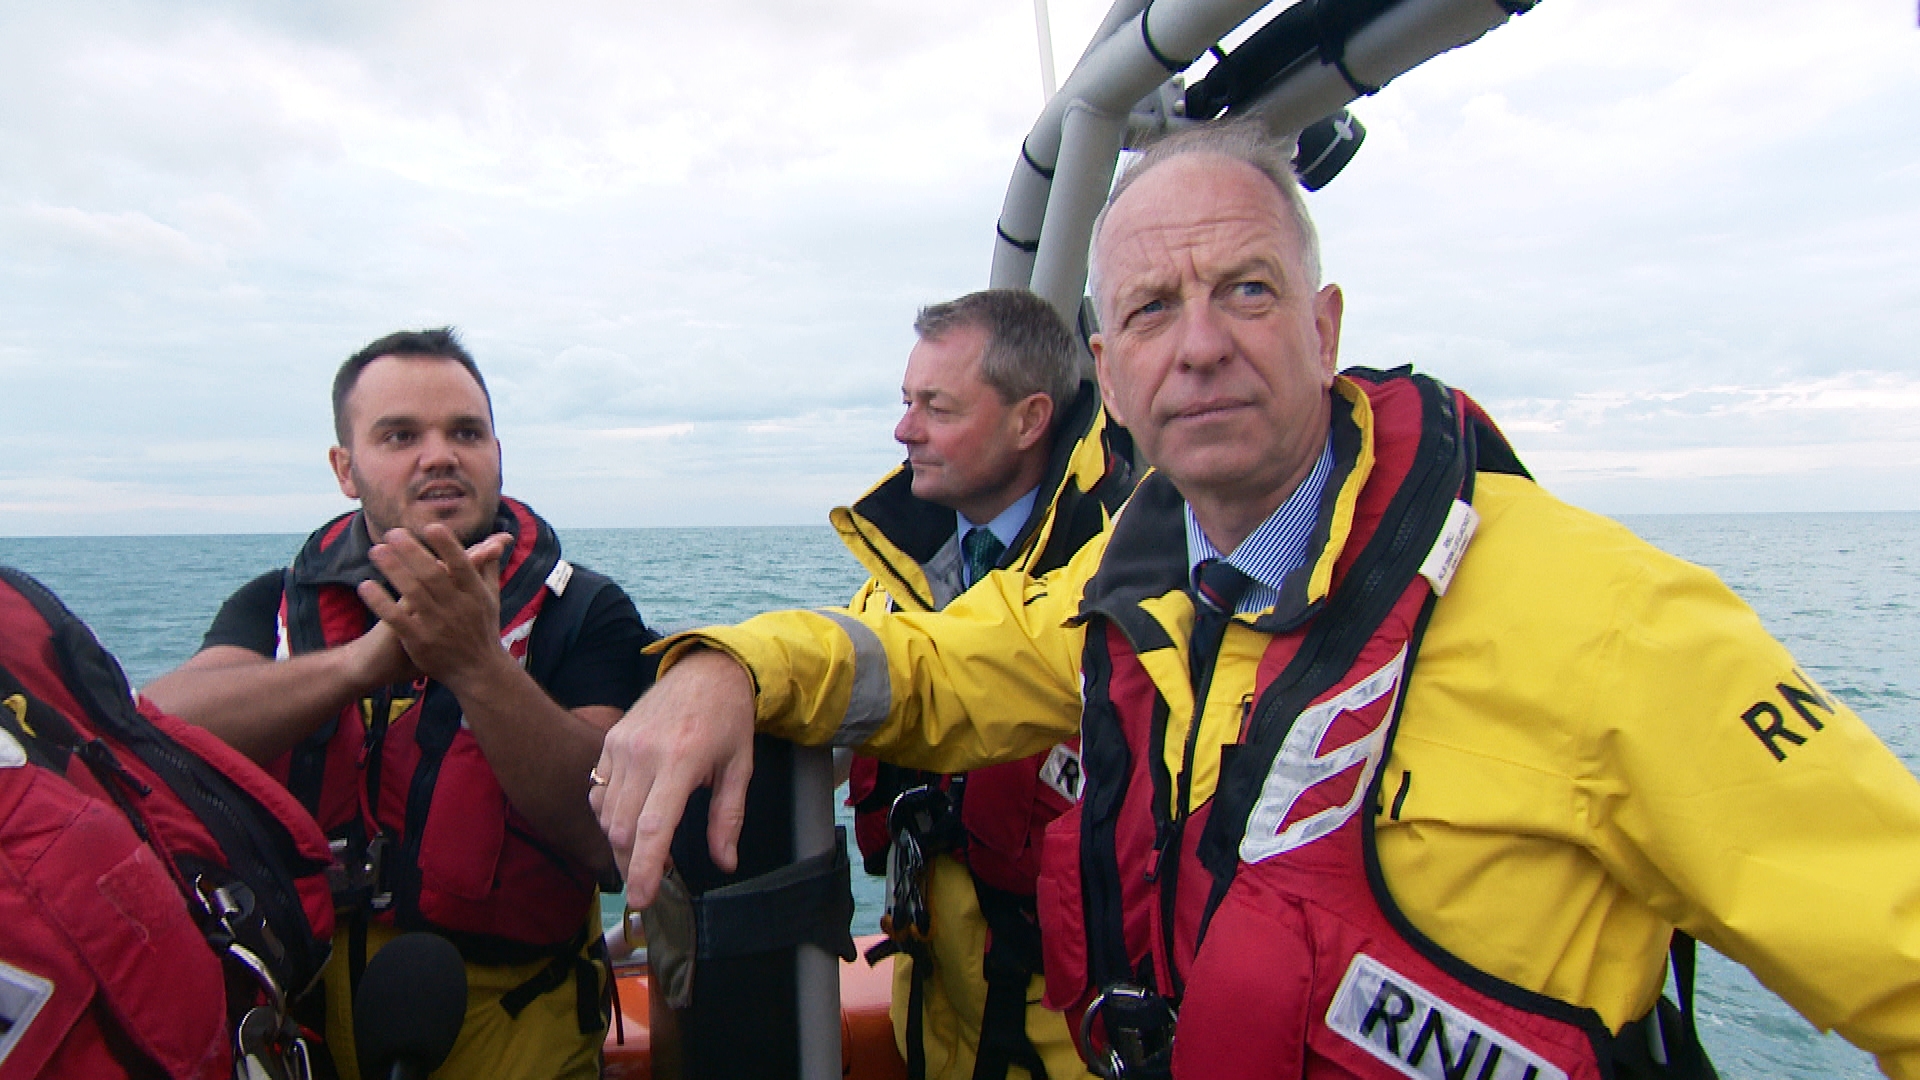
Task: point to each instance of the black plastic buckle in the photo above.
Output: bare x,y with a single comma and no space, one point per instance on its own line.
1139,1026
358,875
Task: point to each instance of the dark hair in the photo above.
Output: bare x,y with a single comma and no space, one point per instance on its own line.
1029,348
1244,141
441,342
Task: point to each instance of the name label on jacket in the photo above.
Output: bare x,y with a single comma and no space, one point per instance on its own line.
1417,1033
1061,772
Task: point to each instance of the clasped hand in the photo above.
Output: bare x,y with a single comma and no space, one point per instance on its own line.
445,622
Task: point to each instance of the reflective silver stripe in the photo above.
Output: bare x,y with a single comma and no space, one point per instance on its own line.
21,995
872,695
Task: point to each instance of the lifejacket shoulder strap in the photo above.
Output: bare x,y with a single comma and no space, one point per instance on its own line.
563,615
1440,474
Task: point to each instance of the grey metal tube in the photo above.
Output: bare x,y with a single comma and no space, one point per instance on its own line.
1089,147
1024,208
1114,75
817,984
1122,12
1117,71
1404,36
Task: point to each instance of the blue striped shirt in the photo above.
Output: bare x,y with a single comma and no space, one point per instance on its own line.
1275,549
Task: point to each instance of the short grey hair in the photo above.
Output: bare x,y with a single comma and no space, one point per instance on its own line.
1244,141
1029,348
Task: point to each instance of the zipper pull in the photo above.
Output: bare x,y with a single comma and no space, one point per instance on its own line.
1162,833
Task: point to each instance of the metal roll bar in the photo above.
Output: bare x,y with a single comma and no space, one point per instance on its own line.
1129,87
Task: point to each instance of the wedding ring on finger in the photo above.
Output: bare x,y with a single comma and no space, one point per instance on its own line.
594,778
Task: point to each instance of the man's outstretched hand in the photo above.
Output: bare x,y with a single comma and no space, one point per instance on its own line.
693,729
447,613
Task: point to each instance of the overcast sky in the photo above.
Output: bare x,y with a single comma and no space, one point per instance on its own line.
1673,247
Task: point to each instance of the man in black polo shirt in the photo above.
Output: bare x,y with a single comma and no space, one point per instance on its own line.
433,681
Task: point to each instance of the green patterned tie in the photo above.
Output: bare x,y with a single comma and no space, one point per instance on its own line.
983,551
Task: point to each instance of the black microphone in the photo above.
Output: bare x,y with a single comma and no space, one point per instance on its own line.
409,1007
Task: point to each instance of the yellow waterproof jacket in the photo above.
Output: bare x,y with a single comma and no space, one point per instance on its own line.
911,549
1600,743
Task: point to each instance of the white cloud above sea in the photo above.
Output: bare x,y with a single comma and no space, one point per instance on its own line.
1671,246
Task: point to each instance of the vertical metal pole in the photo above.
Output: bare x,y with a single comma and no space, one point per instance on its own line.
818,971
1043,29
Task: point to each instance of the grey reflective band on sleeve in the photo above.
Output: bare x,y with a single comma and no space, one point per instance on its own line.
872,696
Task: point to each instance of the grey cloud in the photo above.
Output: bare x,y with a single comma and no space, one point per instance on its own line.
687,241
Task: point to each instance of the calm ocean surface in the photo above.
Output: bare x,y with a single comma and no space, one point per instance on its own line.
1841,590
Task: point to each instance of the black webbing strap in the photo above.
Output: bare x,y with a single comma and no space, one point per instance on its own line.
922,958
1665,1043
356,950
1012,960
605,997
1681,952
1686,1057
551,977
572,963
809,902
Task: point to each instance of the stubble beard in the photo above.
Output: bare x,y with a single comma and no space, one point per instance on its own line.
375,513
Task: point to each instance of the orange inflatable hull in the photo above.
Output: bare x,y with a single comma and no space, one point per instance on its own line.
867,1050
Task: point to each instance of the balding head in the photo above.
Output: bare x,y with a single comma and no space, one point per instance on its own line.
1245,143
1217,346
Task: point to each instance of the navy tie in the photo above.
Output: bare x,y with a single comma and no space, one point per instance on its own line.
1221,584
983,551
1218,587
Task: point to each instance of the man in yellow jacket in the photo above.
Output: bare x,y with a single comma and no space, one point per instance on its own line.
1494,770
1010,466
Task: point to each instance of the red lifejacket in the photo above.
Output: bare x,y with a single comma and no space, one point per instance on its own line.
1262,915
1004,811
155,886
399,773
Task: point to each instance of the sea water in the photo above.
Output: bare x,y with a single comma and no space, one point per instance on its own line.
1841,590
